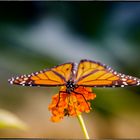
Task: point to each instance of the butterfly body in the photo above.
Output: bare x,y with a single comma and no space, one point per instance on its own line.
70,86
87,73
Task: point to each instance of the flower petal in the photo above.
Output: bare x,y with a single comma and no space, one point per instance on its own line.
72,104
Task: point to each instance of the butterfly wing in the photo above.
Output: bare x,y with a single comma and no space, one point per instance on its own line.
95,74
56,76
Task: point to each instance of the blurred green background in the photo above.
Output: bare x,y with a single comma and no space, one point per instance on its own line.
38,35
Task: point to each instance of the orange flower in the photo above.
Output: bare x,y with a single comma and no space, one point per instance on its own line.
72,104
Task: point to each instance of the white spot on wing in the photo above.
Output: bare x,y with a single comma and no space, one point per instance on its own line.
124,83
115,72
33,74
25,78
138,83
11,82
122,75
22,82
124,79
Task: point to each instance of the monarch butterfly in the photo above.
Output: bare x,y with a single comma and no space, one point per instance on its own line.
75,83
87,73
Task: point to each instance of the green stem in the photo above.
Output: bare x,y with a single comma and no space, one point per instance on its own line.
82,124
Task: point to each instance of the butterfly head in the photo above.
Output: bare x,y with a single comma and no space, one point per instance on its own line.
70,86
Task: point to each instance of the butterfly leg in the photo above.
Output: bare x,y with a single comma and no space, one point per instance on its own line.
66,111
59,97
83,97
